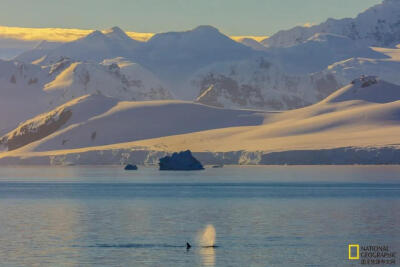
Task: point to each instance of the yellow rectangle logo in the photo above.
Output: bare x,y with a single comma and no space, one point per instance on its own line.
351,255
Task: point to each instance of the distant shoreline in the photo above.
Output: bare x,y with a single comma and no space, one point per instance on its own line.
385,155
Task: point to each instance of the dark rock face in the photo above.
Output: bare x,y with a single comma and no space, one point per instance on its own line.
130,167
182,161
26,135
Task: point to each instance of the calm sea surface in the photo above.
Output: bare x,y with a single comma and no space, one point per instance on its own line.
263,216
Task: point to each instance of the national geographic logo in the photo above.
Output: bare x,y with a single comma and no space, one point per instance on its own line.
372,254
354,252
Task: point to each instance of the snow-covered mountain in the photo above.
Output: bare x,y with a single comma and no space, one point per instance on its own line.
89,93
344,128
298,68
175,55
345,71
38,53
95,120
95,47
144,82
73,112
10,48
172,57
28,89
366,88
21,93
349,126
267,83
320,51
131,82
169,52
259,84
377,26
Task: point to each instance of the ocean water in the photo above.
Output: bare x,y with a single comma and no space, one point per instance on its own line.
263,216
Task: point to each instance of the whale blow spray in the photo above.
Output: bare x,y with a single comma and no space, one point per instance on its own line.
206,237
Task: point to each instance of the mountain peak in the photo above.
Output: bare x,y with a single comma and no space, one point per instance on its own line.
206,28
116,33
202,32
114,30
94,35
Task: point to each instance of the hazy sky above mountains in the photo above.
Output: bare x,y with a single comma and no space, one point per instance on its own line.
233,17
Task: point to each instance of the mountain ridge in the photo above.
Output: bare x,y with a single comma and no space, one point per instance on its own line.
379,25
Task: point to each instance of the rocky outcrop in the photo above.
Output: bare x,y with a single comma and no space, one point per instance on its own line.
259,84
34,130
130,167
182,161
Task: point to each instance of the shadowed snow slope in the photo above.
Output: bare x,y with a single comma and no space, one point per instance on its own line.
75,111
367,88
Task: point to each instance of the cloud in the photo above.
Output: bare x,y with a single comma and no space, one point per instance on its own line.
55,34
68,35
256,38
140,36
308,24
38,34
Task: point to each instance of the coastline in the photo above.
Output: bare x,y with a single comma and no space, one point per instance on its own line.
382,155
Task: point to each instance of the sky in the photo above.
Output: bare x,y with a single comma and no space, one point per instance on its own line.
232,17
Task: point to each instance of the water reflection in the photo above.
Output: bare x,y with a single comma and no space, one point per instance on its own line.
33,232
207,256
